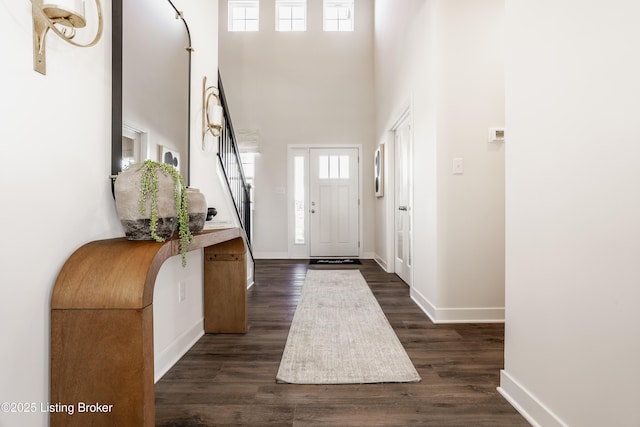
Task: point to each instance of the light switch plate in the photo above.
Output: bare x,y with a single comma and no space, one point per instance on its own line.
458,166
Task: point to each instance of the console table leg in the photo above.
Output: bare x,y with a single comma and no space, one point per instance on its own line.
225,288
102,367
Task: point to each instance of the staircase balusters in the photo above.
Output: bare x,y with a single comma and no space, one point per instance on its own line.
229,157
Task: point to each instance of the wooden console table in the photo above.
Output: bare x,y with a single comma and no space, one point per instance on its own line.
102,361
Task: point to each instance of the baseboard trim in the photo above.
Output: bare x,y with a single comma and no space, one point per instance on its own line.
169,356
424,304
457,315
534,411
381,262
271,255
286,255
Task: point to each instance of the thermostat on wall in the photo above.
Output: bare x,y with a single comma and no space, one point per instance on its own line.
496,134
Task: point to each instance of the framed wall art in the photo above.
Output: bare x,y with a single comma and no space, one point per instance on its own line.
378,171
170,156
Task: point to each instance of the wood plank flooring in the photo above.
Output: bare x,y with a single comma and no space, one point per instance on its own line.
229,379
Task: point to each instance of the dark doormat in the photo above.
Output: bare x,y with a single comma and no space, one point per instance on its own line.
334,261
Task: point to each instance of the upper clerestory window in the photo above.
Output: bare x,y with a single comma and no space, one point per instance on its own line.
244,15
338,15
291,15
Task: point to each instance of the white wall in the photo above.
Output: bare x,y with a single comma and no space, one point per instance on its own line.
299,88
443,59
56,151
405,79
470,206
572,322
56,146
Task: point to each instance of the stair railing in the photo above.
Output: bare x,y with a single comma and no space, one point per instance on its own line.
229,157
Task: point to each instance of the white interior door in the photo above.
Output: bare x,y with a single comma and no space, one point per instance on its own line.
403,201
333,202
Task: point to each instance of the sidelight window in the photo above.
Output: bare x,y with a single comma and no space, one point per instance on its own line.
299,199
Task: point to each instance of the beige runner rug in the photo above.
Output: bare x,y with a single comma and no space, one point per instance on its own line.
339,335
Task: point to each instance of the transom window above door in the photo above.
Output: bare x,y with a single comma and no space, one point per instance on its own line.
291,15
244,15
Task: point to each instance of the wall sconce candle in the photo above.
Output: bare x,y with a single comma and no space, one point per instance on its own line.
62,17
212,112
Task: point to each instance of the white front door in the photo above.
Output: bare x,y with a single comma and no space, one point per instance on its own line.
333,202
403,191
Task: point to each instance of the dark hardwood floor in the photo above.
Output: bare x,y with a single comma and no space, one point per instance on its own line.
230,379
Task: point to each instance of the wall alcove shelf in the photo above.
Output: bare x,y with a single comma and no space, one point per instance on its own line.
102,323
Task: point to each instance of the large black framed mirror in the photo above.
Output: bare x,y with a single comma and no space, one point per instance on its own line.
151,85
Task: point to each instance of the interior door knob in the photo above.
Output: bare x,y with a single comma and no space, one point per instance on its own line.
313,211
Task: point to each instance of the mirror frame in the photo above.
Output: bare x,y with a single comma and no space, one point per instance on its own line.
116,89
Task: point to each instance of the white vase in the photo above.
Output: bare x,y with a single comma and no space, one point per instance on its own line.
197,209
136,225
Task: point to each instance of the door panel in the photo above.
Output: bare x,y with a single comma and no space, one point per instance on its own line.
324,215
334,223
403,201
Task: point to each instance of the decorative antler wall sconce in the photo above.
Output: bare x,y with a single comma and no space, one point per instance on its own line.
211,110
62,17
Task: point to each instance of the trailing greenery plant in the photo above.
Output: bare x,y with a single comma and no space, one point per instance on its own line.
149,191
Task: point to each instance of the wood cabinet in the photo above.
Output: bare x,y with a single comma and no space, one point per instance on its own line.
102,323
